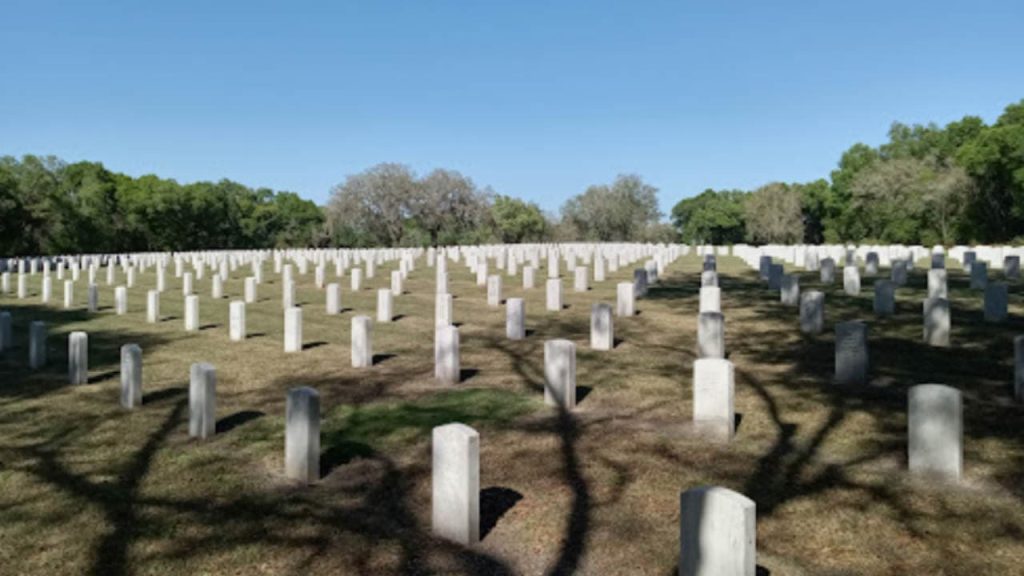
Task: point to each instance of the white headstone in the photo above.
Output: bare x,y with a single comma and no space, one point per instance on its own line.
936,321
293,329
385,305
717,533
78,358
302,435
515,319
710,335
362,343
447,369
236,321
602,331
202,401
455,499
131,375
935,431
560,373
852,361
713,393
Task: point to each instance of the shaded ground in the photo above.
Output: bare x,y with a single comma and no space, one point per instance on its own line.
86,487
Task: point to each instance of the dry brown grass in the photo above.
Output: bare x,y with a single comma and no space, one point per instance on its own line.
87,487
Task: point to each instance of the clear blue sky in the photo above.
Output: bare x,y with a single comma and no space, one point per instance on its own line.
536,99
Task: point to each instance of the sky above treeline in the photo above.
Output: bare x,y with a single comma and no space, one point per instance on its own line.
536,99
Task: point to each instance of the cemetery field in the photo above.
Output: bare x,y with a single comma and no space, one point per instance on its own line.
88,487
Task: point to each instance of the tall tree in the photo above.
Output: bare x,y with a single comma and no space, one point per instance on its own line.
774,215
517,221
617,212
713,217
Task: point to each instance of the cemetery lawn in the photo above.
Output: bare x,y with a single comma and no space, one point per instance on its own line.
87,487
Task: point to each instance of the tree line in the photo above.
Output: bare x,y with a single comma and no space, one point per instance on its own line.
960,183
48,206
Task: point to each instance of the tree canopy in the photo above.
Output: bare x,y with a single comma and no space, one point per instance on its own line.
958,183
50,207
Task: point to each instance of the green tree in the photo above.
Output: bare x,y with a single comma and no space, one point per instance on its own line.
774,215
994,158
617,212
516,221
713,217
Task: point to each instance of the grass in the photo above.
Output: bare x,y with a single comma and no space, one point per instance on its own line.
89,488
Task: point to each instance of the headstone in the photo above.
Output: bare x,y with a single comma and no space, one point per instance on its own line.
789,290
936,321
554,294
640,282
287,293
852,353
580,279
625,303
121,300
812,312
131,376
69,294
447,369
396,282
192,313
602,331
775,274
302,435
979,275
36,344
764,267
898,272
455,498
356,279
996,302
560,373
970,257
871,263
710,335
78,358
22,287
937,283
251,288
362,343
1011,267
528,277
710,299
333,299
494,290
851,280
515,319
153,306
293,329
717,533
47,290
94,298
708,278
236,321
443,310
385,305
885,297
713,392
202,401
827,273
186,284
935,431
